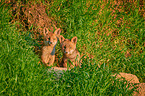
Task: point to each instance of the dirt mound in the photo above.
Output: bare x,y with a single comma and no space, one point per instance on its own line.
36,16
33,17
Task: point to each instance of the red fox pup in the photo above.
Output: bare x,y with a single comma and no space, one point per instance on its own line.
70,52
48,49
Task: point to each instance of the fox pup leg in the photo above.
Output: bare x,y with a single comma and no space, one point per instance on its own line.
45,58
77,62
51,60
48,60
68,64
64,61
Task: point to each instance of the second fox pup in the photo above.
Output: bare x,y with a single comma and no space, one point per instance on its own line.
70,52
48,49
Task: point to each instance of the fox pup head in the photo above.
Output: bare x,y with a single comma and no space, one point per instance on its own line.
51,38
68,46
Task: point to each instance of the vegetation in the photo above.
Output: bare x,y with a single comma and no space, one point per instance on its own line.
111,38
112,32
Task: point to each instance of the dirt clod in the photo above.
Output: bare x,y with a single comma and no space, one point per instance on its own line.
129,77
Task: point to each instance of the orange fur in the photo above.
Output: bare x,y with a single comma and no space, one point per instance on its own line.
48,48
70,52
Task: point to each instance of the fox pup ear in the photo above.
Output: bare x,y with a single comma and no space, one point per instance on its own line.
74,40
45,31
61,38
57,31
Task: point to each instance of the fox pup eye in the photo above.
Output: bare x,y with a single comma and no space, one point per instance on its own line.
48,38
64,47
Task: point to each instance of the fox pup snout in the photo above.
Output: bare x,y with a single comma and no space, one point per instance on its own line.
70,52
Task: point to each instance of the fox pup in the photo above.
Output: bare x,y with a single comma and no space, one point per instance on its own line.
48,49
70,52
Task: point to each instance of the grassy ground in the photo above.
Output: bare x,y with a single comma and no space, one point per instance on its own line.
114,38
112,32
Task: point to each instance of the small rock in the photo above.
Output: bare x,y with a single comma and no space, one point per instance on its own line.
140,89
129,77
58,71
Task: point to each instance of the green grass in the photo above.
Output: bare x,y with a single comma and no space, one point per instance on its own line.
99,34
19,68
